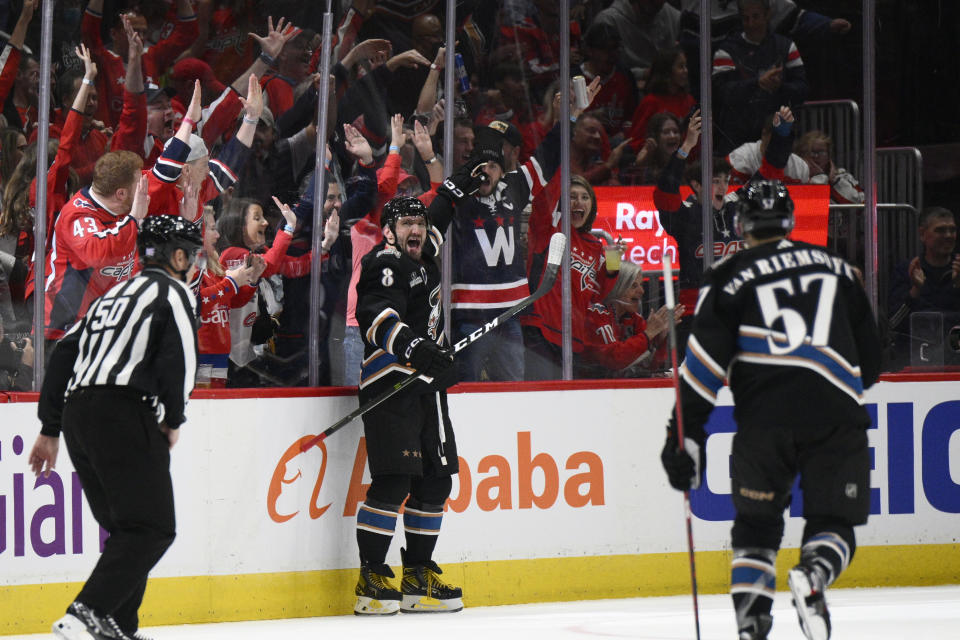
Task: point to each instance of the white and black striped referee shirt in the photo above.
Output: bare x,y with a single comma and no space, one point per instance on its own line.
140,334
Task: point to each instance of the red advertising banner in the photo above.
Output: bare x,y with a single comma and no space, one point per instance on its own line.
629,212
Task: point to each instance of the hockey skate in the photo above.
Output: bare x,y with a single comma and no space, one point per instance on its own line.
424,592
376,596
81,623
807,586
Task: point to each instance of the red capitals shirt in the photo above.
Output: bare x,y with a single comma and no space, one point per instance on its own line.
217,295
93,249
616,101
615,344
589,280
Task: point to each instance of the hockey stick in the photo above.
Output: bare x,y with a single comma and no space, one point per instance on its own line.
554,254
668,288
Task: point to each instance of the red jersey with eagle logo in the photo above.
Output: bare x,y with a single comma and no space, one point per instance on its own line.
589,279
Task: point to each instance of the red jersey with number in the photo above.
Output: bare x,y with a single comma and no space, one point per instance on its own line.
93,249
615,343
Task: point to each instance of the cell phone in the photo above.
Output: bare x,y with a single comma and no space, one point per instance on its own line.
693,110
249,261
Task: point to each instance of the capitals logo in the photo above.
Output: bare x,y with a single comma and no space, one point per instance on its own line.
218,316
588,272
120,271
723,249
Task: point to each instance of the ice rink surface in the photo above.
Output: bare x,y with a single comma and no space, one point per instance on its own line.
927,613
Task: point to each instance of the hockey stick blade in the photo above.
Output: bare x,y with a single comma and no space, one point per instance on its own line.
554,255
558,242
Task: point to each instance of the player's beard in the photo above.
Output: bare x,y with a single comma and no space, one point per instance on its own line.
414,252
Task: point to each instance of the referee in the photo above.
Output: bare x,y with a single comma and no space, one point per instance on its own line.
117,385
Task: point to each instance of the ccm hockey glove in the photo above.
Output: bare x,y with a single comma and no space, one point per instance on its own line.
683,468
465,180
428,358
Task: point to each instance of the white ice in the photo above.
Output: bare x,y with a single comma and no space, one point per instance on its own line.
927,613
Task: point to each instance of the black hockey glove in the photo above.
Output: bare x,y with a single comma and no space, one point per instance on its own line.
466,180
684,468
428,358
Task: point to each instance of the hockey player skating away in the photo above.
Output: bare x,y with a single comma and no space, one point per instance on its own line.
126,371
789,325
410,442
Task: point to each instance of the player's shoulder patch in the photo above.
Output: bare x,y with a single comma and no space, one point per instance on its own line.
596,307
417,277
389,251
83,202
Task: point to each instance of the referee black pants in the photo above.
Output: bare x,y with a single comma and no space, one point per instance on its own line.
123,461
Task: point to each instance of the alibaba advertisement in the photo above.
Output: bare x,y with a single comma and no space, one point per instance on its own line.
629,213
558,476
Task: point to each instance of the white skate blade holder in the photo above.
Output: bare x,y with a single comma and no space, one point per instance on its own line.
70,627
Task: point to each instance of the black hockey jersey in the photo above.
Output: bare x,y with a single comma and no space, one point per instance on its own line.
398,300
789,326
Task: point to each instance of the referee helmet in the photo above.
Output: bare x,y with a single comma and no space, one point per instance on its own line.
161,236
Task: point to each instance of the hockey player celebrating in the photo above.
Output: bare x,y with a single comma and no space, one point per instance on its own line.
410,443
785,322
117,385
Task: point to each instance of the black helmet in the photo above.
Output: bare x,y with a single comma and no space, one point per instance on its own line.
160,236
401,207
765,206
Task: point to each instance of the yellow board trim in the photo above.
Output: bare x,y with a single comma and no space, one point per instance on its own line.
264,596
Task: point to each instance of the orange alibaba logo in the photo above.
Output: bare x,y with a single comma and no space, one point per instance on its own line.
280,479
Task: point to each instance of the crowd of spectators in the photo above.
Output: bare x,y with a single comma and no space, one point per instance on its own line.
208,109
